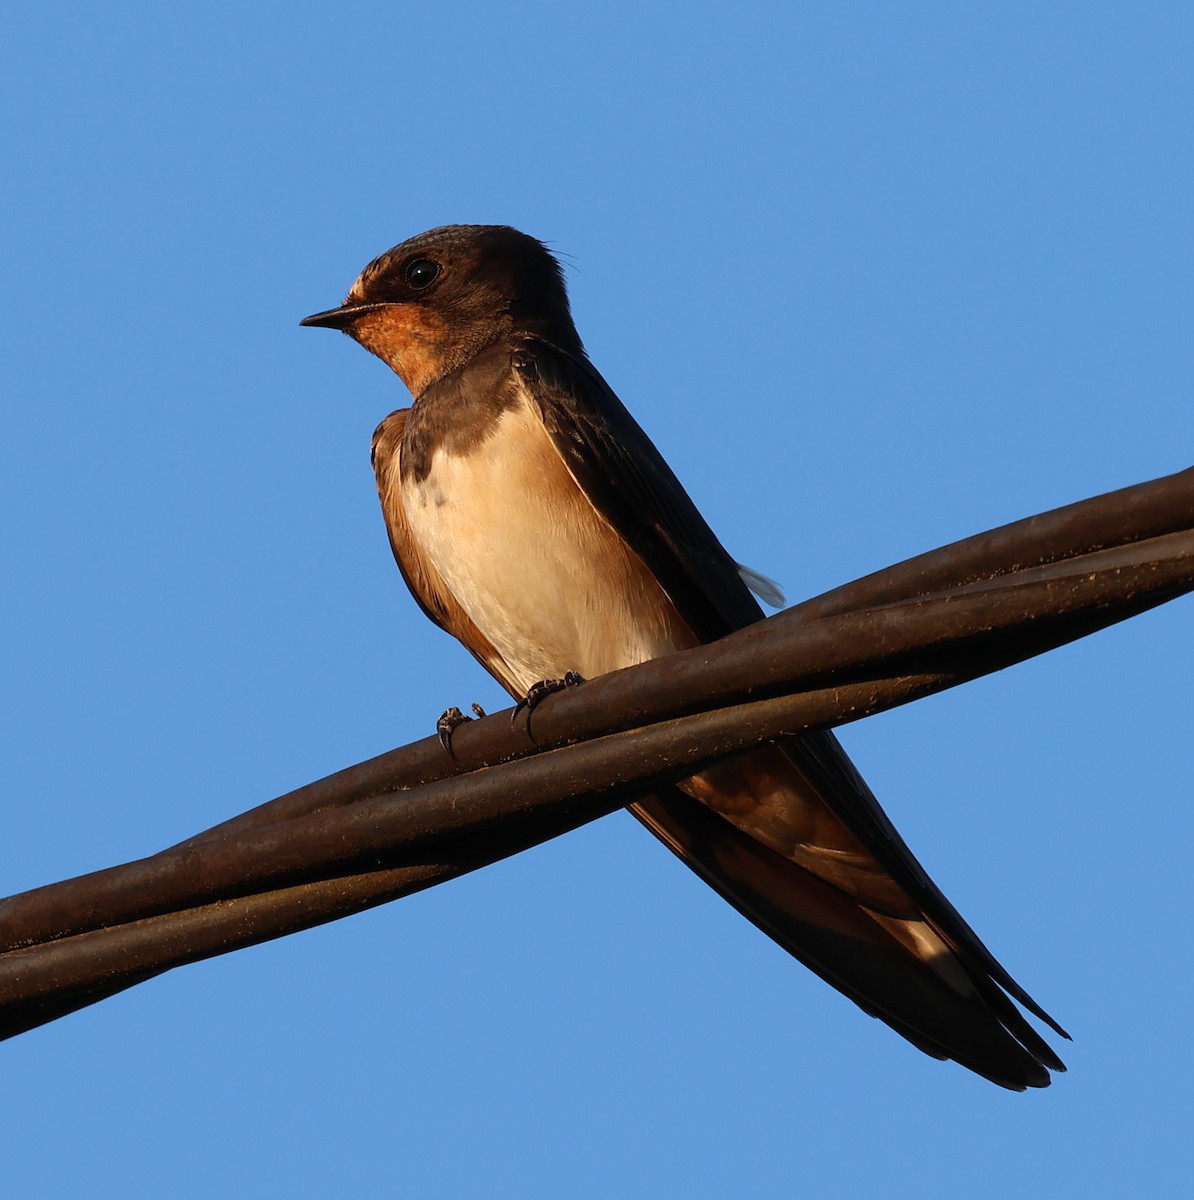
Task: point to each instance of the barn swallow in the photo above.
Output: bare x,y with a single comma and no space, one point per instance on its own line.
534,520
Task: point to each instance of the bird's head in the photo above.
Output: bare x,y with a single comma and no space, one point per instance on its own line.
430,304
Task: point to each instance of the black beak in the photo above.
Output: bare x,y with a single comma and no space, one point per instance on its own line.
339,318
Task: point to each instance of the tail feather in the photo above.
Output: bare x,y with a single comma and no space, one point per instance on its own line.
948,1009
838,784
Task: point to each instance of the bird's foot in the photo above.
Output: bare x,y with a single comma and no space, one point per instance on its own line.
538,692
451,720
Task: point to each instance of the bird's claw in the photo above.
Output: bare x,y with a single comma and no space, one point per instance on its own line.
538,692
451,720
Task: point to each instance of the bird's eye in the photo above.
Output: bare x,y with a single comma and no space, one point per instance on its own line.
421,273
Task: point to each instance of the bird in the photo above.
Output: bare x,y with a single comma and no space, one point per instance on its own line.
534,520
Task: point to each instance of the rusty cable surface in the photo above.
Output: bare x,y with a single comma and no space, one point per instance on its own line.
417,816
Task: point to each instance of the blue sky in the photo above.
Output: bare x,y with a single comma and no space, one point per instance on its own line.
873,277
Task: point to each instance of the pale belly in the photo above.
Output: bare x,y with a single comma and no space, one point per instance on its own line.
537,570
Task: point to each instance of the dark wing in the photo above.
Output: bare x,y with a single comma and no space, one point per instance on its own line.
630,484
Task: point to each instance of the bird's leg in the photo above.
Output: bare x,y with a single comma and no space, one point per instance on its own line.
538,692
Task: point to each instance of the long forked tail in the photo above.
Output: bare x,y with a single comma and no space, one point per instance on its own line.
936,994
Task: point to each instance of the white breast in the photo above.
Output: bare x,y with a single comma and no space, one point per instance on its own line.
538,571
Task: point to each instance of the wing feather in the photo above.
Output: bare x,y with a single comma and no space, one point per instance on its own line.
629,482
